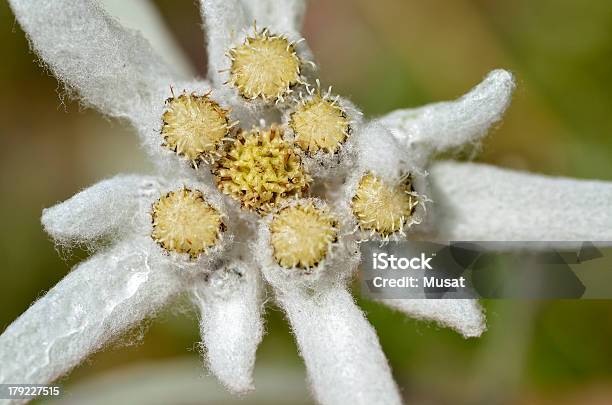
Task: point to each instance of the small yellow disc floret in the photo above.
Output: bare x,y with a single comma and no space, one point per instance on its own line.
260,170
301,235
184,222
381,207
194,127
319,123
265,66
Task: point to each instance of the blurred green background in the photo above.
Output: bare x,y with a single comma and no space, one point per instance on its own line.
383,54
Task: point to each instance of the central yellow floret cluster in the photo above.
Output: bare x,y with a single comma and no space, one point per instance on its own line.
265,66
184,222
260,170
319,123
194,127
381,207
301,235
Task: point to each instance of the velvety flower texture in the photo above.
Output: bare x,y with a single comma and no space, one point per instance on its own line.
226,257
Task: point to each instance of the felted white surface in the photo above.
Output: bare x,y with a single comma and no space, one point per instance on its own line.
144,17
483,203
380,153
97,301
463,315
282,15
112,68
344,360
224,22
105,209
443,126
230,304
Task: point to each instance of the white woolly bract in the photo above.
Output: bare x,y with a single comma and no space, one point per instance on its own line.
112,68
99,300
328,166
340,263
380,153
343,357
443,126
107,209
224,22
230,303
280,15
463,315
145,17
478,202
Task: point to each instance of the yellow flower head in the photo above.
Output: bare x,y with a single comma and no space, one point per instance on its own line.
381,207
194,127
301,235
260,170
184,222
265,66
319,124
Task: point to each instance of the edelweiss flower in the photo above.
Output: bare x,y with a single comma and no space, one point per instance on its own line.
264,176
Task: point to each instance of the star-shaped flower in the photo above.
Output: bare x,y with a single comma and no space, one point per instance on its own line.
265,178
